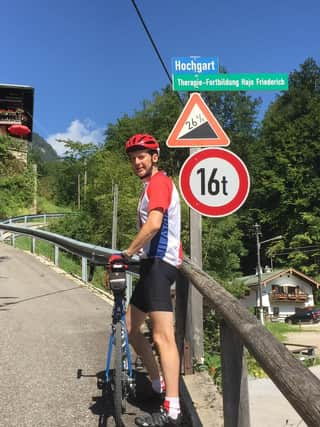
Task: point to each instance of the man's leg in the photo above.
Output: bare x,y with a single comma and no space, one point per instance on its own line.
134,320
164,338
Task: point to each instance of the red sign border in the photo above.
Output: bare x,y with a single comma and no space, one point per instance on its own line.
214,211
222,138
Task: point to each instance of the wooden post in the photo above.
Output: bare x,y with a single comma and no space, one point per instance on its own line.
182,291
234,379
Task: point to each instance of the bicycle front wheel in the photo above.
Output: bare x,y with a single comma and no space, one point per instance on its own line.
117,391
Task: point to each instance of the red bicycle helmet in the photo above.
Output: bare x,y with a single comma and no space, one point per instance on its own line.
142,141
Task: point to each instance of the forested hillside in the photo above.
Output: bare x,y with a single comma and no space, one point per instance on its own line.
40,151
281,153
16,188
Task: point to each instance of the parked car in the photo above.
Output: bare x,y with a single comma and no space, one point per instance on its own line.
308,314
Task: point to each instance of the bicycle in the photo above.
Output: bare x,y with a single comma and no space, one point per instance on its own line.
121,379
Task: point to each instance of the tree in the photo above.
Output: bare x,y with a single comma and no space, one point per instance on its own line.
237,113
157,117
222,247
286,179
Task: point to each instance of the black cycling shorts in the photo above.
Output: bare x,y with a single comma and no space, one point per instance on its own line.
152,292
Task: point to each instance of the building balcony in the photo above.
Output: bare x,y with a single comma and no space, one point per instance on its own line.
277,296
11,117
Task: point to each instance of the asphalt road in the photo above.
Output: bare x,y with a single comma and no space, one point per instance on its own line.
51,326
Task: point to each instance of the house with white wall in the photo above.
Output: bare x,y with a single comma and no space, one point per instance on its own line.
282,292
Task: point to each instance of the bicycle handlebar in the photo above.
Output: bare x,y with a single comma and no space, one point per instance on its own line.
93,265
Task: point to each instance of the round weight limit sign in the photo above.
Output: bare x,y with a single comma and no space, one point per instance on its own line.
214,182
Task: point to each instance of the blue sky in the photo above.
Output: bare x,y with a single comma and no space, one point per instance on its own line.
91,62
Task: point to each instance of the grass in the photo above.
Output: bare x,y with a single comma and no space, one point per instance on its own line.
279,329
45,205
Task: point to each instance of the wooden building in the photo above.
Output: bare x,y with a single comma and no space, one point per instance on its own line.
16,115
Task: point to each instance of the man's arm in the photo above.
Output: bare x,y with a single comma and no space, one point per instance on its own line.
147,231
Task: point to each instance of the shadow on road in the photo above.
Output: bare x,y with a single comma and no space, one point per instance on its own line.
35,297
144,401
103,405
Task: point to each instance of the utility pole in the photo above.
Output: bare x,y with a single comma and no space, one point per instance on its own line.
85,182
259,243
115,191
35,188
258,234
79,189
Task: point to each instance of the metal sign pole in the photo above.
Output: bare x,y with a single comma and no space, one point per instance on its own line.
194,327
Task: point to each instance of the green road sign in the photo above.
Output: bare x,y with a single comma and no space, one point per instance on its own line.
226,82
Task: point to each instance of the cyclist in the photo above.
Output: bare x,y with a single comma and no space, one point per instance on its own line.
158,244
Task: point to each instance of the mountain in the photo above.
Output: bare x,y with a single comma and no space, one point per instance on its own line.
40,151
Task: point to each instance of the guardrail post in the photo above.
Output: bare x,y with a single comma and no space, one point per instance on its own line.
234,379
25,219
45,218
33,245
84,263
56,255
13,240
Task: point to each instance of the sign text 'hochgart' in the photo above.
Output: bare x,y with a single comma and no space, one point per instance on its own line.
195,65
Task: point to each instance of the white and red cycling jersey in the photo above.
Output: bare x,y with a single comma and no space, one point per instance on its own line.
160,193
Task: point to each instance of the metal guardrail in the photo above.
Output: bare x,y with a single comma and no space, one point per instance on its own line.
93,254
96,255
44,217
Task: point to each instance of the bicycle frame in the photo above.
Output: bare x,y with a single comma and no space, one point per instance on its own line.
118,315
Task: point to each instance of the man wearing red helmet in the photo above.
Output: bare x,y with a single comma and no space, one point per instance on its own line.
158,244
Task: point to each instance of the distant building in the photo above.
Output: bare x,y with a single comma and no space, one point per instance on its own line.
16,115
282,292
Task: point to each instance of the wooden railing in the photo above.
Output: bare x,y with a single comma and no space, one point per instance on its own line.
278,296
240,328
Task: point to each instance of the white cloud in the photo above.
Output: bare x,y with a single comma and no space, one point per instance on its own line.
84,132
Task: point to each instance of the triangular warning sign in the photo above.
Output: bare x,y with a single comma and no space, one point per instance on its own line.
197,127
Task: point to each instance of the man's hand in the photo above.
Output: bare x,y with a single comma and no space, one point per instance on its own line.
127,258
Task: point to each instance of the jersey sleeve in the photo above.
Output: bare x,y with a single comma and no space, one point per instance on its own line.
159,192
